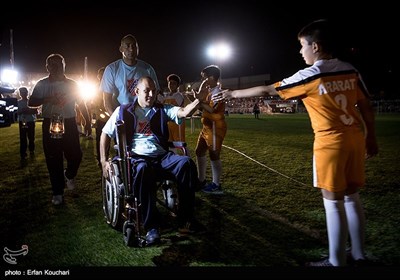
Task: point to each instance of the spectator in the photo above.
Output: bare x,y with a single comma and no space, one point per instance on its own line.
27,119
121,76
58,95
256,110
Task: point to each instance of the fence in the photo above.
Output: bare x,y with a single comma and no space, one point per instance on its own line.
245,106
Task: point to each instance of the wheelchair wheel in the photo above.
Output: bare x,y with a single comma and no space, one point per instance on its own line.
130,237
112,197
129,234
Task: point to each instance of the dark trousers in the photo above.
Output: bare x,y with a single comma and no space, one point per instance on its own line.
99,126
55,150
146,172
26,134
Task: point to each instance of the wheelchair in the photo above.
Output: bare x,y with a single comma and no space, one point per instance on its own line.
120,204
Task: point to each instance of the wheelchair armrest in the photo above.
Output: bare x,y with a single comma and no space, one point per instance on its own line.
177,144
180,146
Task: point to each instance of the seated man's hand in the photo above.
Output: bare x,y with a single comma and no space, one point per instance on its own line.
105,166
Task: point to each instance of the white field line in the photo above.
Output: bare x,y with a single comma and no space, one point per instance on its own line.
263,165
300,227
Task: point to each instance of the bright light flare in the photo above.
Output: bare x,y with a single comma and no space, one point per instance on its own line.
87,90
220,51
9,76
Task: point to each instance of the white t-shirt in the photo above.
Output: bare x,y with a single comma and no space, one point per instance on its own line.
121,79
67,89
144,142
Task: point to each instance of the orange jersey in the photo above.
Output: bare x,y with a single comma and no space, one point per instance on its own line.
330,90
218,115
175,99
214,124
176,132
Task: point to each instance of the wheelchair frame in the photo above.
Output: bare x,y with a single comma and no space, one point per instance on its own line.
121,206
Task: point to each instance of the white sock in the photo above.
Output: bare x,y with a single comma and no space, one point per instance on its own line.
201,168
336,224
216,167
356,223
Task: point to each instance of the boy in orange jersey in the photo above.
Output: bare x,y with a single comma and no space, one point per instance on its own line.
342,119
213,132
176,98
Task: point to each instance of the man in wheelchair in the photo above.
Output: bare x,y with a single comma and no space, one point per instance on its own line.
146,131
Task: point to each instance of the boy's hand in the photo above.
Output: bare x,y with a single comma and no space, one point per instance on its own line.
203,91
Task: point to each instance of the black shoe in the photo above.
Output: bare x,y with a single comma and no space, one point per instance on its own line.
191,227
201,185
321,263
359,263
152,237
213,189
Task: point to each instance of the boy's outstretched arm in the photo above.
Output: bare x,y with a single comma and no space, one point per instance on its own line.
258,91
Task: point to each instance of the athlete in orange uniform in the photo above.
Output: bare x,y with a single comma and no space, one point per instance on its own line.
213,132
343,122
176,98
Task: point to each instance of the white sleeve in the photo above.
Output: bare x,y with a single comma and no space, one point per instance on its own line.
110,126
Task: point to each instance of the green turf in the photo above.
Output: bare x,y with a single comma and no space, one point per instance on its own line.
269,216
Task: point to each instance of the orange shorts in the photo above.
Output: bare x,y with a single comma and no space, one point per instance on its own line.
339,161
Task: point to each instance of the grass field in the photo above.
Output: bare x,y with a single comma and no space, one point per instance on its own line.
269,216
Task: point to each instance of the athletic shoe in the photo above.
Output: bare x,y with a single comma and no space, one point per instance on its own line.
213,189
70,182
360,262
152,237
324,262
201,185
57,199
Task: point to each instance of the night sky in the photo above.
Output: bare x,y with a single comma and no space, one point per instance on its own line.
173,36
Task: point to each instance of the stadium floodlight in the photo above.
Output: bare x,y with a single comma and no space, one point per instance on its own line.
9,76
219,51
